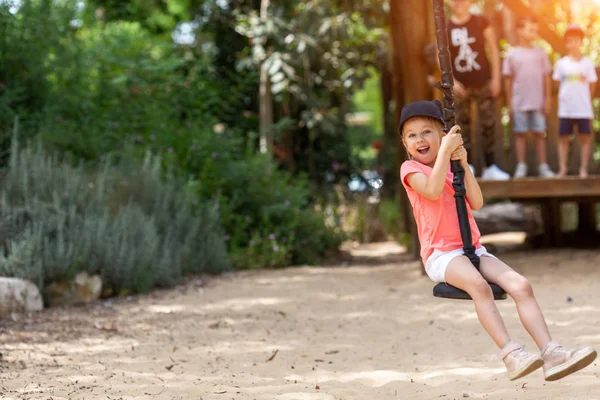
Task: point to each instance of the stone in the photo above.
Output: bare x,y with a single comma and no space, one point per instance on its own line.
18,295
506,217
81,290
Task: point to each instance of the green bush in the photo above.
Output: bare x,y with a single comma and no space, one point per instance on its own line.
113,90
134,226
266,212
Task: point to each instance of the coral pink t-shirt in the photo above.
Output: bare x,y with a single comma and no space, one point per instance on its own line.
437,220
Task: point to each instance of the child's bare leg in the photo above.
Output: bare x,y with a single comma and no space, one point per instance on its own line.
586,149
463,275
519,288
563,153
540,139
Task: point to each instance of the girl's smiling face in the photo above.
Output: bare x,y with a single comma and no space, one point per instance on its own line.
422,138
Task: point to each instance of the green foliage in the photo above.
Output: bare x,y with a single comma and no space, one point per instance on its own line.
391,218
265,212
133,226
157,16
35,46
106,82
317,53
368,99
139,97
114,80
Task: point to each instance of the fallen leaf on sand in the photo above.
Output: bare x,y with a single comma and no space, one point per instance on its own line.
215,325
273,355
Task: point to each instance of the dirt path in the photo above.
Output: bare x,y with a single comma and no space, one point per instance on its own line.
367,331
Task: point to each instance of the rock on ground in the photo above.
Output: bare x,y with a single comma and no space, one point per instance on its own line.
18,295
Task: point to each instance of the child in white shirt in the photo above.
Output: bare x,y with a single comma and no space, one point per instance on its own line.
577,77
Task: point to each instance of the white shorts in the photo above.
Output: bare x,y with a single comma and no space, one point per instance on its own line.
438,262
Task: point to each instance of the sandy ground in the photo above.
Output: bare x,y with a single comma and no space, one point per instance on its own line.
369,329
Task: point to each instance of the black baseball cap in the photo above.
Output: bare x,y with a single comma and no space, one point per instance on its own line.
422,108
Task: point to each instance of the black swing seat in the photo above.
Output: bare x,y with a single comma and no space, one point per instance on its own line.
450,292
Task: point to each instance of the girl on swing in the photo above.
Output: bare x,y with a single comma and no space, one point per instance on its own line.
427,179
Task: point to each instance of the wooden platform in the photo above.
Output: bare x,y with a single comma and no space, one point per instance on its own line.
572,188
550,194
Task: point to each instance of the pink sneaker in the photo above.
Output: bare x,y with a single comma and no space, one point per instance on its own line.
519,362
560,362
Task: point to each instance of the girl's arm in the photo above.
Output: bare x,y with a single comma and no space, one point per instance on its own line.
474,195
431,187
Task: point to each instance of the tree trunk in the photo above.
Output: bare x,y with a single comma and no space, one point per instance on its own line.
265,97
388,159
266,112
408,42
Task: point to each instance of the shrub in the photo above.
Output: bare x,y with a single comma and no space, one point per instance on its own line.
98,91
266,213
134,226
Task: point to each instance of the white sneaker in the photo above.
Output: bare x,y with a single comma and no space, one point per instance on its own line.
560,362
519,362
545,171
494,173
520,171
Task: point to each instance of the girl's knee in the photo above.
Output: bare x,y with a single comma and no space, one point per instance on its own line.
480,288
519,286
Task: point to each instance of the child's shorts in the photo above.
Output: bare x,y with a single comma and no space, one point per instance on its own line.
566,125
529,121
438,262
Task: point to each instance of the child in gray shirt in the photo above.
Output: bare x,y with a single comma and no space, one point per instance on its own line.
527,77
